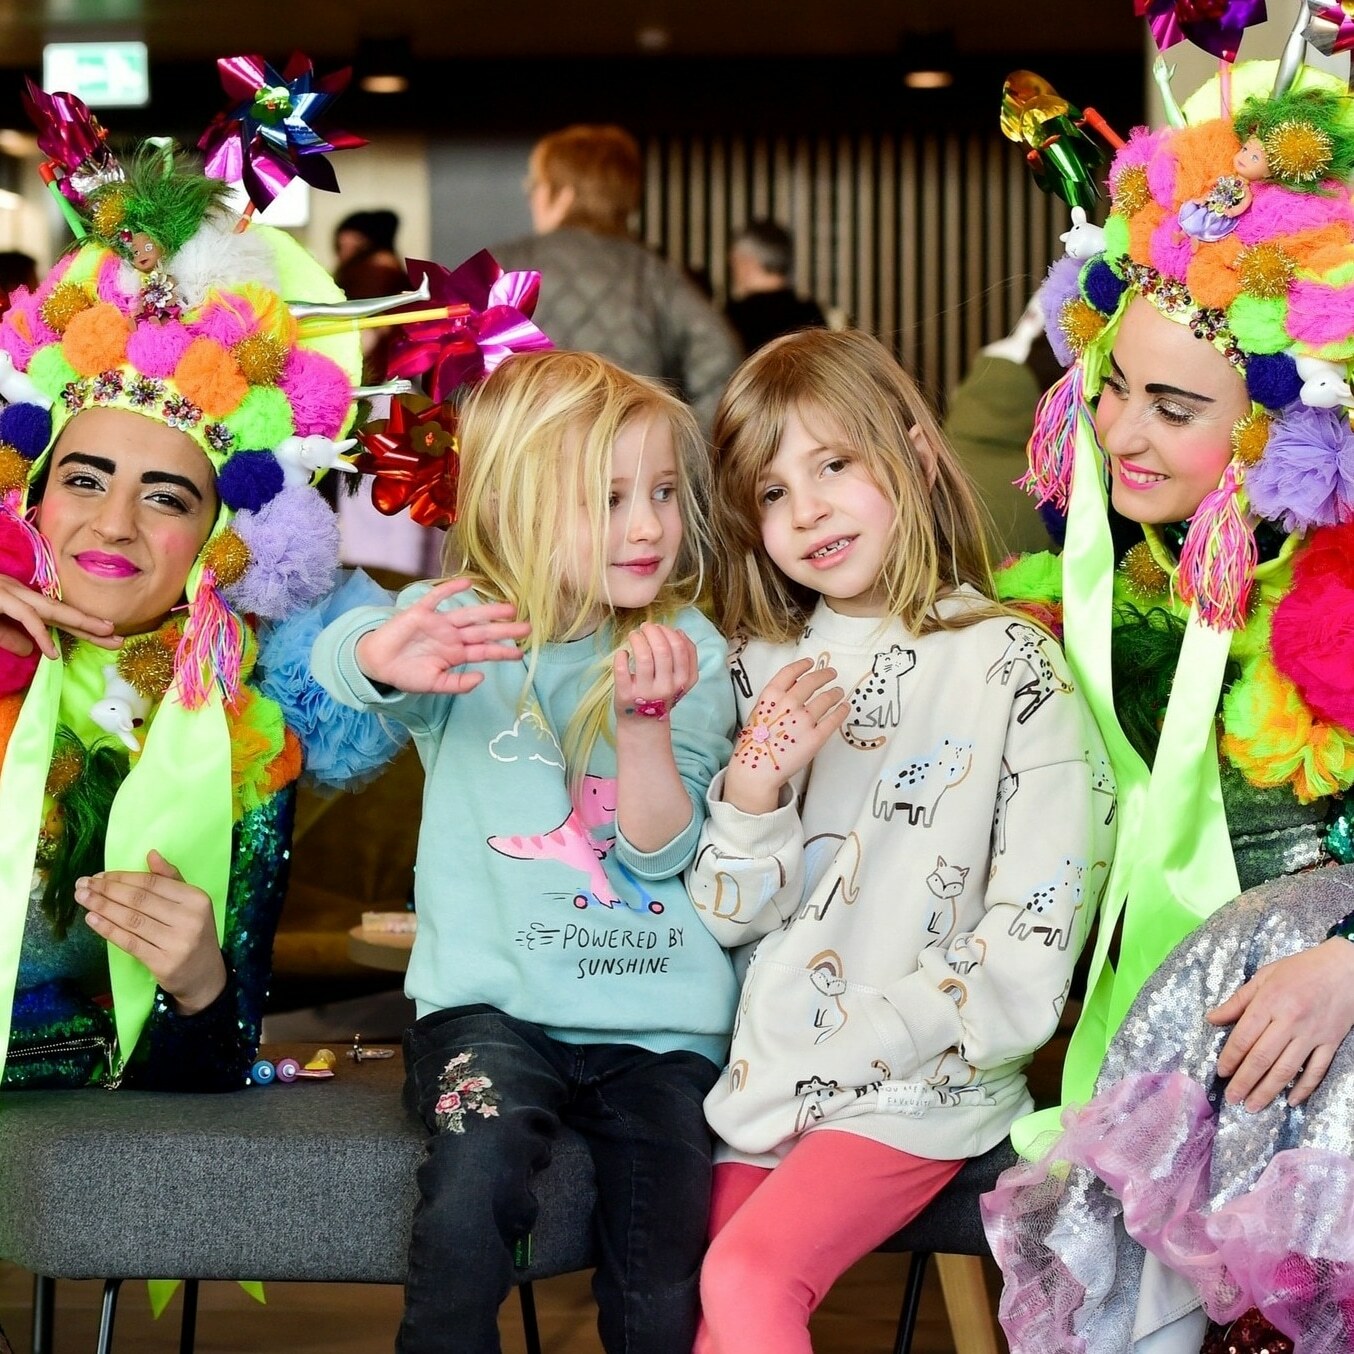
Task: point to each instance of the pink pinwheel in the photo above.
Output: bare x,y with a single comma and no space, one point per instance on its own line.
70,136
1330,27
1214,25
268,137
468,348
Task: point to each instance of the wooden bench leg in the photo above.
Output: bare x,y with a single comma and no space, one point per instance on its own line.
966,1303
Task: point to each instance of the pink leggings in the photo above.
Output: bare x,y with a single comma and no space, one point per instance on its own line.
780,1238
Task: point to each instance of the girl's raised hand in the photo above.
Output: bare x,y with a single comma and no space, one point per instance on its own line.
421,649
26,615
794,717
654,669
164,922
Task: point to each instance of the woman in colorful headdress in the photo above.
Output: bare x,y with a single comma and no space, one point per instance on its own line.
1210,331
171,391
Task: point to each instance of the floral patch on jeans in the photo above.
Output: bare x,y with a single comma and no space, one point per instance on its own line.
463,1094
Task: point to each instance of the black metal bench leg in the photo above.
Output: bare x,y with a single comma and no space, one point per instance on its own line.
530,1331
907,1318
44,1312
188,1327
110,1302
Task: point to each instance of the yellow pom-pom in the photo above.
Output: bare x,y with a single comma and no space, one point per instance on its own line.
1130,191
261,358
63,305
1081,323
109,212
1265,270
1298,152
1250,436
145,664
64,771
227,557
13,469
1144,578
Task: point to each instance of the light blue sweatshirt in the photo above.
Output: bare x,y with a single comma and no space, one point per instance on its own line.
527,901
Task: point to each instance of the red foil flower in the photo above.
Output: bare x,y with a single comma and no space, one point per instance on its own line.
1214,25
414,460
467,348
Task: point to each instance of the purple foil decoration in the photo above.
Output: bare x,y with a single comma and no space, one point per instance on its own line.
1214,25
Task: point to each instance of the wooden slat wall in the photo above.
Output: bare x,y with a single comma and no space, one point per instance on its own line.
931,240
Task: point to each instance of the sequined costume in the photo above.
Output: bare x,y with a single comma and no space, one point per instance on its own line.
1256,1209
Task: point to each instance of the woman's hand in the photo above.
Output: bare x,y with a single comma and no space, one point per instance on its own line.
790,724
654,669
164,922
1290,1018
420,648
26,616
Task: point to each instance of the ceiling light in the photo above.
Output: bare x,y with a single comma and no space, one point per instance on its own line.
928,60
19,144
384,65
928,79
652,38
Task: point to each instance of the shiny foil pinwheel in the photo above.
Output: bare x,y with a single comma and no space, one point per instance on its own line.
72,139
1064,158
1330,26
269,135
1214,25
413,459
466,348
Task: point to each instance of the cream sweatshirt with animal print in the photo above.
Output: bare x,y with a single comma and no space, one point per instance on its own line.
909,918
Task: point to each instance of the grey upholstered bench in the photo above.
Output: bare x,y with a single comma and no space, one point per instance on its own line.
308,1181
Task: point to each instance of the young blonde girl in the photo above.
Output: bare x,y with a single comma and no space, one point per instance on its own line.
909,838
558,972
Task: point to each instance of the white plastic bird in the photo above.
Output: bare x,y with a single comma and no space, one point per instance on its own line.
301,457
1325,385
16,388
1085,240
122,710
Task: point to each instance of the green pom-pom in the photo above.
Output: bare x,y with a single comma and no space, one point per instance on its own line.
262,420
1258,323
1116,239
1031,578
50,372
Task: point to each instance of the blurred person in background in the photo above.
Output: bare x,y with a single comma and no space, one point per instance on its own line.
764,303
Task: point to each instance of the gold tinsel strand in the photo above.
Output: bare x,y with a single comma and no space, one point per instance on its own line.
261,358
1250,436
1265,270
14,469
1146,580
1081,323
64,771
227,557
1298,152
109,212
1131,193
146,665
63,305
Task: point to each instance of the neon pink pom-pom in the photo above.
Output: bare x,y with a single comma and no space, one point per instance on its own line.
26,541
1170,249
227,319
318,391
211,648
19,347
1319,315
1276,210
155,349
109,286
1162,168
1217,562
1052,444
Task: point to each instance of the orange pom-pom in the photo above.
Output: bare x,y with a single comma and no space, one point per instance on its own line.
13,469
1211,276
63,305
227,557
9,717
96,339
261,358
1203,155
285,767
1130,191
209,376
1140,228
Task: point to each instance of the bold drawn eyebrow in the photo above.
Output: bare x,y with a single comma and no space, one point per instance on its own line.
150,477
1157,389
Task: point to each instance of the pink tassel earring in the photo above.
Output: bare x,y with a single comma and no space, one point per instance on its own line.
1051,445
1217,562
211,648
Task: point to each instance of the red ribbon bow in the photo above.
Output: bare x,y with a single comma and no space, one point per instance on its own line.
414,460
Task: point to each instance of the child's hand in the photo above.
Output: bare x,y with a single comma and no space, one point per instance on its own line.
420,649
791,722
654,669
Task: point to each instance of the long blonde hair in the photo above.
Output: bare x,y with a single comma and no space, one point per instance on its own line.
536,443
851,387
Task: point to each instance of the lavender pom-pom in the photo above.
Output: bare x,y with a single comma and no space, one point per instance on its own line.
1306,477
1060,286
27,428
1102,286
343,747
249,480
294,542
1272,379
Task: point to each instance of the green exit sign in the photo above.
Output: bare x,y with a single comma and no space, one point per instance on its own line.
103,74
